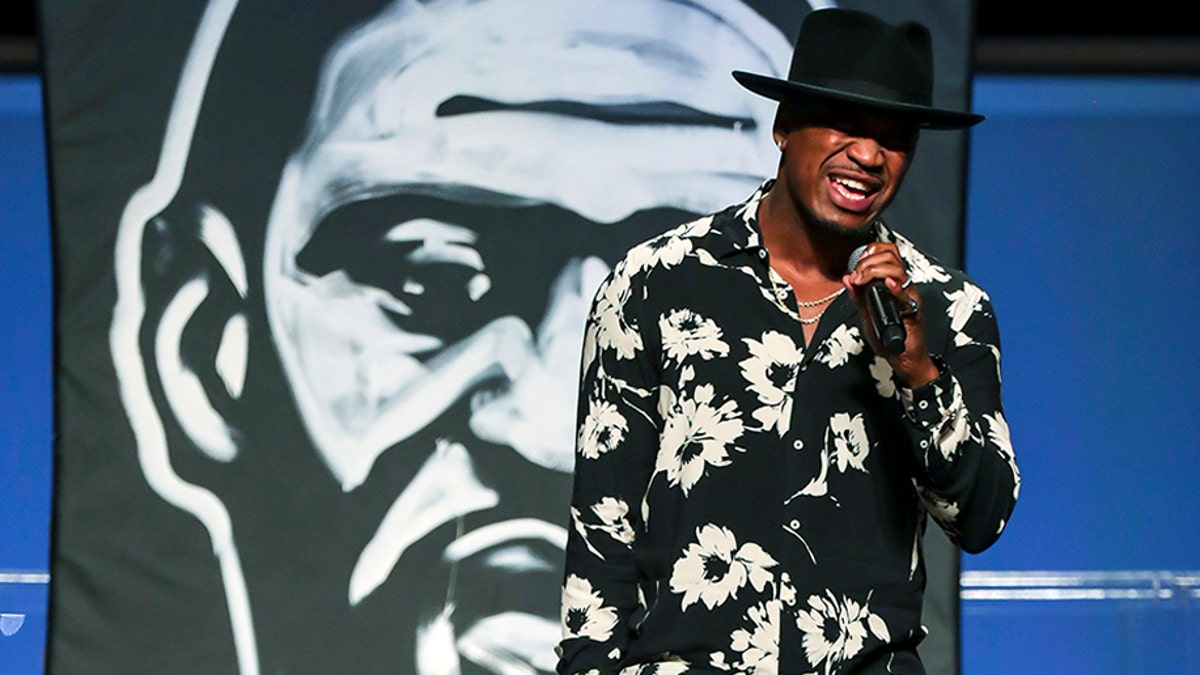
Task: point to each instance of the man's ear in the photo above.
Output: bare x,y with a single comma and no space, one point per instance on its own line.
785,121
194,277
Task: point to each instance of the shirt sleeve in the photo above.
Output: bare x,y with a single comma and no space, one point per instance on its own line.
618,428
968,476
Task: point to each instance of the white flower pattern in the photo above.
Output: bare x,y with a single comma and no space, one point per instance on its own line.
610,518
714,568
999,435
613,514
847,442
844,342
602,430
666,666
920,268
697,434
963,304
835,630
612,331
957,427
771,371
584,613
758,646
944,510
668,249
686,333
664,251
884,376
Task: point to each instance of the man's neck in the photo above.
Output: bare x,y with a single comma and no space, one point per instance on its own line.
807,249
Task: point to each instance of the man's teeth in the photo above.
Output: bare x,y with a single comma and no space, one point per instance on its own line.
851,184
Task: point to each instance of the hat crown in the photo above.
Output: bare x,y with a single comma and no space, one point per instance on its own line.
856,52
851,57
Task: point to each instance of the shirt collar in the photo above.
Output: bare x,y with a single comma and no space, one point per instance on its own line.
737,226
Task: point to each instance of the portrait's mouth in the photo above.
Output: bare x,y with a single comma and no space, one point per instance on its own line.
445,488
515,627
516,545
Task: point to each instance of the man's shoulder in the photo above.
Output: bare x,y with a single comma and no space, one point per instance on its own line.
669,249
950,299
926,269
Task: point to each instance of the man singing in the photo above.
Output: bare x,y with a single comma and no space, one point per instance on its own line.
754,464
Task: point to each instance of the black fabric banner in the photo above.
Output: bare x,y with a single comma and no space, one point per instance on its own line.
322,270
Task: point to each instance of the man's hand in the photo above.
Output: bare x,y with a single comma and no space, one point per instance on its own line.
913,367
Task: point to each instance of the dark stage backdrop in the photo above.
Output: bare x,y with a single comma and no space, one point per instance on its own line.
322,270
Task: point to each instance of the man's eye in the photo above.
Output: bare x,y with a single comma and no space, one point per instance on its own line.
903,141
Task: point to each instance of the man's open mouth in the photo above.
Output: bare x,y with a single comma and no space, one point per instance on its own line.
853,194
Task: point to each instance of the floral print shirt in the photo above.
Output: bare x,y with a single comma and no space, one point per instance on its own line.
745,502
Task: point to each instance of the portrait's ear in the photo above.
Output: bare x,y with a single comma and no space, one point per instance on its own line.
195,338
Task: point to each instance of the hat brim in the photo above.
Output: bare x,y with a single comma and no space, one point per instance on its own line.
787,90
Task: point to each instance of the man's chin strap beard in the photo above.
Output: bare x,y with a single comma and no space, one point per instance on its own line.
855,236
834,233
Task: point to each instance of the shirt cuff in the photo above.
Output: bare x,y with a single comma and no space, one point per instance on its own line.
930,405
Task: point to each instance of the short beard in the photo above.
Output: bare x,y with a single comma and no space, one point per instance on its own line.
827,229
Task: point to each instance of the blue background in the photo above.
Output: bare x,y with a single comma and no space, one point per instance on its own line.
1082,225
26,375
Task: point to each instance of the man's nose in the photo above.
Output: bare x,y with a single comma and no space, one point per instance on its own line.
866,152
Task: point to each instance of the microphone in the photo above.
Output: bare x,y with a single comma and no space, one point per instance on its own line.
881,305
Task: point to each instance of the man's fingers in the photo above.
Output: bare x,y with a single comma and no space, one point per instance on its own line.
883,261
852,289
897,288
880,269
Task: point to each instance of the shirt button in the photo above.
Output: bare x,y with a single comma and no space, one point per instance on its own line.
795,524
925,444
923,405
798,444
762,253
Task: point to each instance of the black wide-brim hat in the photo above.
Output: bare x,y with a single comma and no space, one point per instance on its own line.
853,57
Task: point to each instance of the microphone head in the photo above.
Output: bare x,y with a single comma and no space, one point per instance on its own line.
854,256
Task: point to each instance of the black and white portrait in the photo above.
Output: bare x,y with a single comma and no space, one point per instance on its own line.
465,175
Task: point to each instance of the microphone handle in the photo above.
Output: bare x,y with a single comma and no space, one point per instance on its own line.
885,317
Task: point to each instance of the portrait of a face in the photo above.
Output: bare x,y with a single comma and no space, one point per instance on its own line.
367,398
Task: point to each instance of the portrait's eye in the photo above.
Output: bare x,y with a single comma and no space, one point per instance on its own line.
432,243
430,268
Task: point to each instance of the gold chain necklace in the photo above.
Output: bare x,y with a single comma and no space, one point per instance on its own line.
775,293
